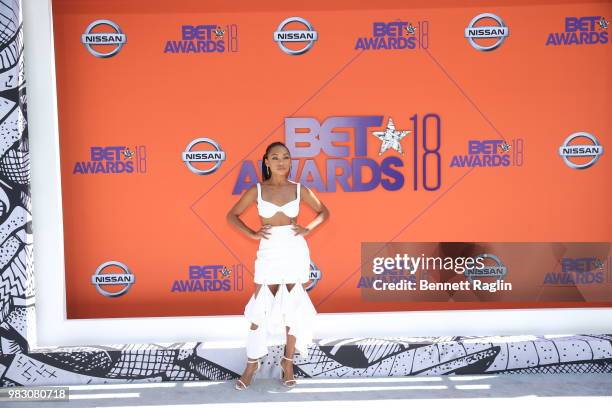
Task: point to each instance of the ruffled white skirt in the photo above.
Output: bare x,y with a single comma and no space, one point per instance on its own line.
282,259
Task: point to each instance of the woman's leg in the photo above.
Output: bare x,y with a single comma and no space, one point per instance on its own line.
289,349
254,337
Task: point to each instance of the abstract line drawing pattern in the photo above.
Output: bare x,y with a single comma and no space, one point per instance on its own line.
405,356
22,363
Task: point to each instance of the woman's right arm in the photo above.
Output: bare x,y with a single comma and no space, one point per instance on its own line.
233,216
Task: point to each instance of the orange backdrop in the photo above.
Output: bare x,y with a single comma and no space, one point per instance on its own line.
164,219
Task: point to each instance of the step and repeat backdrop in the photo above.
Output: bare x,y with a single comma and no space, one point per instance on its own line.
461,152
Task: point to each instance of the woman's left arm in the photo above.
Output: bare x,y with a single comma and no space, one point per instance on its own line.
313,202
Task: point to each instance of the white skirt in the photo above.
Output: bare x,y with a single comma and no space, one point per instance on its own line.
282,259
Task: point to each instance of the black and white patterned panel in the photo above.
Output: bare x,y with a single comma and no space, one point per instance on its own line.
22,364
16,280
369,357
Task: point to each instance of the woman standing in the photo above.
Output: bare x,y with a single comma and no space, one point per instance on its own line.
280,305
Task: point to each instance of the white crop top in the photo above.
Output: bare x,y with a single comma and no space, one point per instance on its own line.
267,209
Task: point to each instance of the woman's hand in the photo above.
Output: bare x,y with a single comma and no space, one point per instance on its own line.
299,230
262,233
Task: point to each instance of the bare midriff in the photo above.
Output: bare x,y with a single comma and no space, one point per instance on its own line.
277,220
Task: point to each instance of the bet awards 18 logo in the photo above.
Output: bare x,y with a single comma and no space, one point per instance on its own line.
395,35
406,153
211,278
583,271
113,160
581,31
491,153
204,38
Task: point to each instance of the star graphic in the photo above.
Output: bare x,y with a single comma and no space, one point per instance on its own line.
390,138
410,29
603,23
226,271
127,153
219,33
505,147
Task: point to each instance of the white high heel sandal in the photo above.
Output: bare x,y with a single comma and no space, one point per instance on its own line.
286,383
244,386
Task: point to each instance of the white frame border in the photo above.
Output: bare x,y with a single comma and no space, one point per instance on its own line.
54,329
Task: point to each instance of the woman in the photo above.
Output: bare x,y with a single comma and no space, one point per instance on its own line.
279,309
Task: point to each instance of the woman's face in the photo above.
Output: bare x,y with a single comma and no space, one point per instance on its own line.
279,160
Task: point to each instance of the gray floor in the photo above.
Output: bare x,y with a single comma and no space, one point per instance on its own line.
582,390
